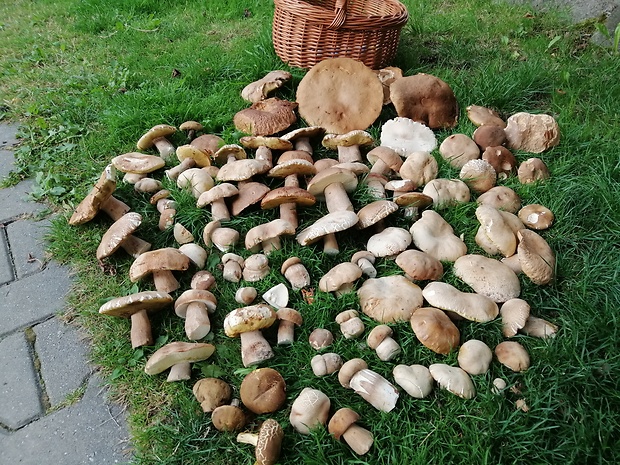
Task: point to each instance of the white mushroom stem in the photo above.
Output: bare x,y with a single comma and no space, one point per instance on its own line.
288,211
264,153
173,173
358,439
141,334
179,372
336,198
254,348
165,281
368,269
303,143
388,349
219,210
135,246
197,323
269,245
330,245
164,147
114,208
349,154
375,185
248,438
286,332
380,167
375,389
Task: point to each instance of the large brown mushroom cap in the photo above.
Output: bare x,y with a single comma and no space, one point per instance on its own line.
340,95
101,191
435,330
536,257
120,230
266,117
389,298
211,393
135,162
166,259
263,391
425,99
512,355
419,265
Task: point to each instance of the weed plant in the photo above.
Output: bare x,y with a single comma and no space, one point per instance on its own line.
87,78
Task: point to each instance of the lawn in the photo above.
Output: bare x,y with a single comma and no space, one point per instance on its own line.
87,78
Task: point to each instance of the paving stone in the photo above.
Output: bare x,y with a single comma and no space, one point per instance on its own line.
90,431
33,299
14,201
63,357
27,245
20,398
6,267
7,163
8,134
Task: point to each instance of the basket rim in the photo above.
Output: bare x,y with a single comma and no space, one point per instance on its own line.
307,10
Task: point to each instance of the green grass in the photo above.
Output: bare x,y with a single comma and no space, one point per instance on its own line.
86,79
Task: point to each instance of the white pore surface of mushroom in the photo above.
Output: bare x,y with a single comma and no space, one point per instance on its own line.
406,136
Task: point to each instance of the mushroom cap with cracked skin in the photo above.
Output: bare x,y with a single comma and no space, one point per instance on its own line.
488,277
536,258
351,138
502,198
471,306
458,149
434,235
416,380
340,275
263,391
194,295
125,306
217,192
160,130
177,352
166,259
480,115
447,192
405,136
267,231
136,162
514,314
532,133
479,175
120,230
266,117
211,393
340,95
252,318
390,298
328,224
287,194
389,242
536,216
309,410
475,357
374,212
435,330
269,442
88,208
512,355
228,418
419,265
316,186
453,379
420,167
426,99
201,157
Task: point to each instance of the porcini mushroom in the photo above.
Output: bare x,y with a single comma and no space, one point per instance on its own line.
389,299
381,341
266,117
342,424
371,386
435,330
351,326
513,355
120,234
246,322
325,364
296,273
433,235
194,305
156,136
289,318
159,263
211,393
416,380
177,356
340,278
453,379
259,90
469,305
488,277
267,443
309,410
475,357
263,391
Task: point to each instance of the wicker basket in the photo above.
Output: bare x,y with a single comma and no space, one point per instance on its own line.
306,32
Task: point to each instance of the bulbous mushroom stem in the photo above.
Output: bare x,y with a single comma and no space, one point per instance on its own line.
165,148
337,199
197,323
288,211
388,349
359,439
173,173
114,208
141,334
179,372
219,210
264,153
286,332
350,154
165,281
254,348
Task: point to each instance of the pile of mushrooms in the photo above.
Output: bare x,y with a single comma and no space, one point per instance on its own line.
225,181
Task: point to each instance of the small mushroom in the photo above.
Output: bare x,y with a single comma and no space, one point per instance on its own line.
371,386
489,135
514,313
267,236
256,267
536,216
246,322
433,235
289,318
181,234
419,167
389,243
259,90
191,128
348,144
233,267
194,305
351,326
211,393
340,278
453,379
320,338
479,175
138,163
501,198
494,236
216,197
120,234
513,355
156,136
419,266
380,339
267,443
532,170
342,424
309,410
480,115
536,258
365,260
447,192
263,391
475,357
196,254
95,199
538,327
502,160
178,356
325,364
229,417
159,263
296,273
246,295
416,380
196,181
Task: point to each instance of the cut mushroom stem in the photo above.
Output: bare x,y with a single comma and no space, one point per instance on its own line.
254,348
197,323
141,334
179,372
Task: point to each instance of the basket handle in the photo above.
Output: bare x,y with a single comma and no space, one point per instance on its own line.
341,15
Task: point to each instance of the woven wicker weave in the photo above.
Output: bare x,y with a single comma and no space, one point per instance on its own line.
306,32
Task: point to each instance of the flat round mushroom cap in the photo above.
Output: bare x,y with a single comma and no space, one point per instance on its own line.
374,212
140,163
287,194
317,185
390,298
177,352
269,443
249,194
228,418
120,230
263,391
389,242
328,224
340,275
194,295
480,115
419,265
297,166
471,306
416,380
341,420
414,199
250,318
405,136
458,149
340,95
536,216
453,379
536,258
218,192
513,355
434,235
435,330
514,313
161,130
475,357
351,138
126,306
166,259
488,277
266,117
201,157
426,99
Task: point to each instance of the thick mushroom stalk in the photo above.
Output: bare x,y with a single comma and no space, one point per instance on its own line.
246,322
289,319
267,236
160,263
177,356
373,387
156,136
348,145
195,305
216,197
342,425
98,195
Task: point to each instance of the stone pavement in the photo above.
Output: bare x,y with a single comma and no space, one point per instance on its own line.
53,406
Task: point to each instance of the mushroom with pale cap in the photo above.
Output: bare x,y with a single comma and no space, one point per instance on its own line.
433,235
514,314
309,410
416,380
267,443
385,162
387,76
156,136
512,355
326,227
277,296
475,357
447,192
342,425
371,386
340,278
196,181
266,117
539,327
147,185
214,234
419,266
381,341
389,243
469,305
246,295
435,330
136,162
191,128
177,356
365,260
325,364
406,136
196,254
532,170
351,326
202,279
494,236
263,391
258,90
419,167
289,318
296,273
256,267
211,393
488,277
374,213
160,264
246,322
480,115
453,379
216,197
532,133
194,305
389,299
536,216
137,307
458,149
348,145
233,267
267,236
479,175
120,234
181,234
536,258
501,198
